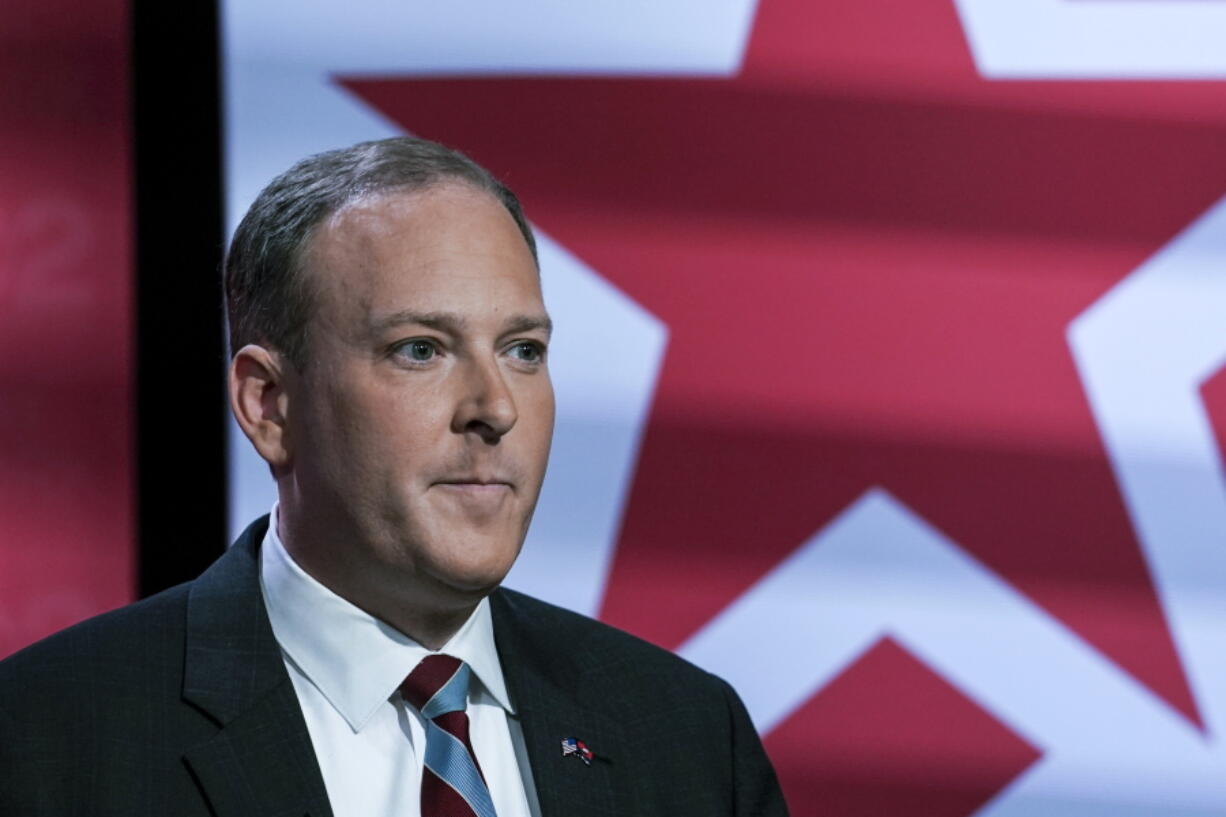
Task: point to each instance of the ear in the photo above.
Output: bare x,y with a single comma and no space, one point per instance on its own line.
260,403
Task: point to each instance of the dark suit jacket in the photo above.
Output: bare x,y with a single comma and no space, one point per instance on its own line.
181,705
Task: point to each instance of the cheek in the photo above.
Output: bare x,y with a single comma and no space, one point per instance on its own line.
369,412
350,427
405,432
538,417
545,409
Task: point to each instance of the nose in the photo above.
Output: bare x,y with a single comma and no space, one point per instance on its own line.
486,407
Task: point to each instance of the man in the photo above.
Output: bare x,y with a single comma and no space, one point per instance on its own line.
352,654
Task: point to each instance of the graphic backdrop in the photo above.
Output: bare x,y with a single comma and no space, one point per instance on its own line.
66,442
888,358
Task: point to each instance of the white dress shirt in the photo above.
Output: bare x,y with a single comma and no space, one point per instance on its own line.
347,666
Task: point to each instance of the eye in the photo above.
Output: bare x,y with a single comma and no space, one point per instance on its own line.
418,351
528,352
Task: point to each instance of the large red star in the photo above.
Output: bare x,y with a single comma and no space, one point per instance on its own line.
867,258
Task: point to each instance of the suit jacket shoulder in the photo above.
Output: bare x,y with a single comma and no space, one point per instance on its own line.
544,631
178,704
668,737
96,696
96,647
127,655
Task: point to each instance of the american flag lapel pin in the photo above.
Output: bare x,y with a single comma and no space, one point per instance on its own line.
576,747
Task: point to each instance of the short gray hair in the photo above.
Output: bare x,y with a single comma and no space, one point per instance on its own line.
267,300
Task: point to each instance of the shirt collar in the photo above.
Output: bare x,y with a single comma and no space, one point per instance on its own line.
356,660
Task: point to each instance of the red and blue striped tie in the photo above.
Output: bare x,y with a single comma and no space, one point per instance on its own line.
451,784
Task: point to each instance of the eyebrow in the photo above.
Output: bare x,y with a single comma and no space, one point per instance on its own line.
530,323
453,323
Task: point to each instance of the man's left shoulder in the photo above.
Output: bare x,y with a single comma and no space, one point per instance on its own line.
654,701
546,630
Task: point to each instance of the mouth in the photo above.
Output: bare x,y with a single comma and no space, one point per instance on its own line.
476,498
476,482
476,487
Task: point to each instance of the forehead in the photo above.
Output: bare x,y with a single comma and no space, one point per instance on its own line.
448,248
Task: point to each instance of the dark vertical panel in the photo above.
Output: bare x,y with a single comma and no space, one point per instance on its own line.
181,353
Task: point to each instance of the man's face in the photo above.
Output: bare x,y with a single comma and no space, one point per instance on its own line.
420,427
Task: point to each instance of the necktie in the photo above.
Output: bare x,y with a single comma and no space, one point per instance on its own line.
451,784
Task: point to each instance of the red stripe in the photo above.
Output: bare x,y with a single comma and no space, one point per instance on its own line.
456,723
440,800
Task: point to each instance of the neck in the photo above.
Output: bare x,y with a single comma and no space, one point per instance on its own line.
418,606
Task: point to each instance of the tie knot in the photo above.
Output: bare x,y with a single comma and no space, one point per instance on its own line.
438,685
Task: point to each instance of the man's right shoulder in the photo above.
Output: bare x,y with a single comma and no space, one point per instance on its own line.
145,637
99,713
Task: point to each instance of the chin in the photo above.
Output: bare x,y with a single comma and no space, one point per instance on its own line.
470,585
478,576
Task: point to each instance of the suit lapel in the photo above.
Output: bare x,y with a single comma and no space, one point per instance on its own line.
547,690
261,761
564,784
